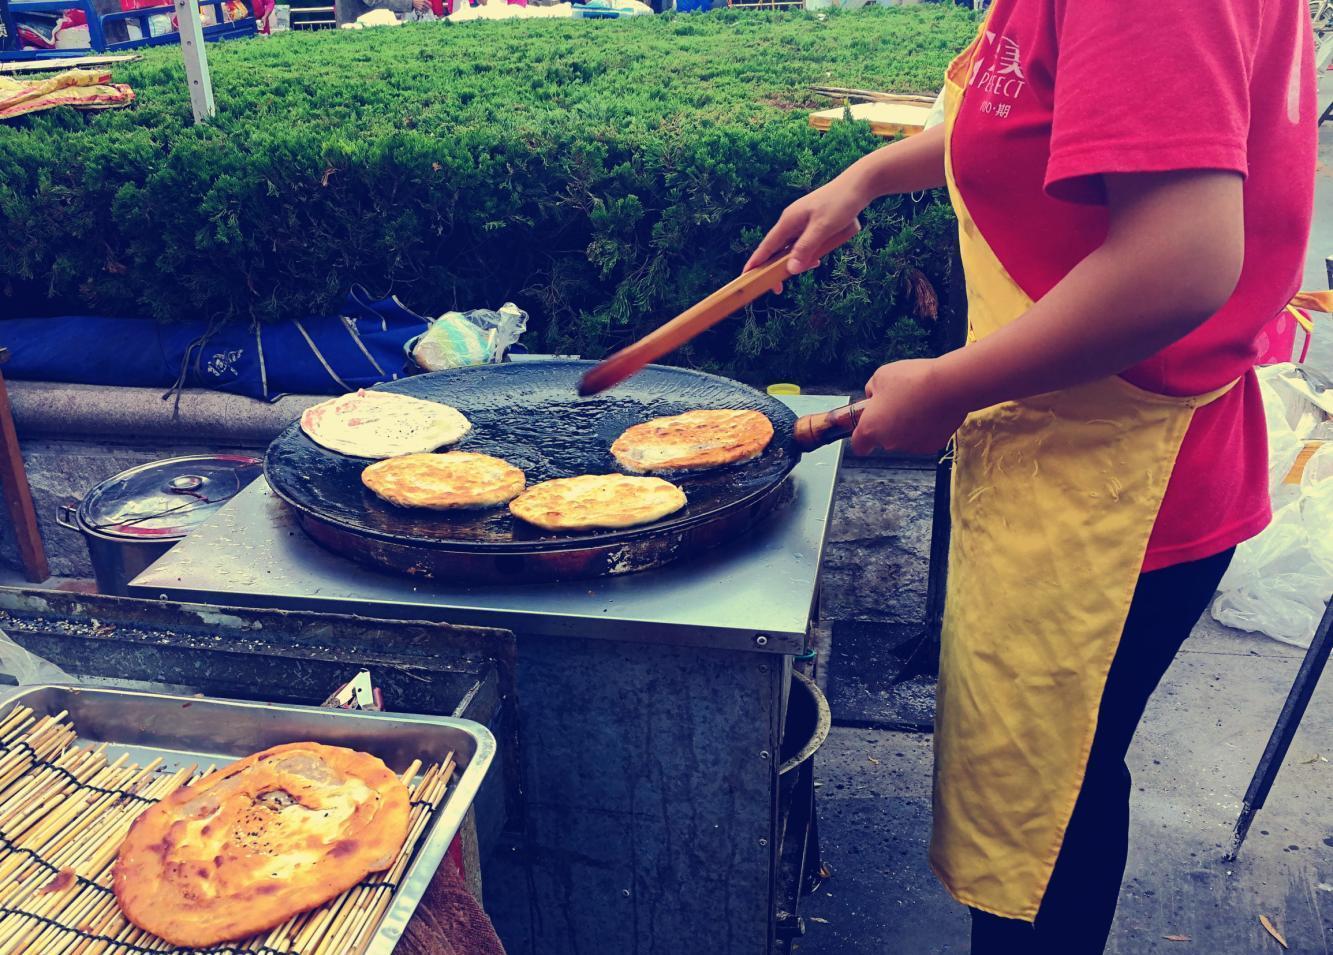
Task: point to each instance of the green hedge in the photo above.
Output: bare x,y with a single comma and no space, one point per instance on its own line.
602,174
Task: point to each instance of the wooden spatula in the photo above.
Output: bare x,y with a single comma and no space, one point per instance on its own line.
732,297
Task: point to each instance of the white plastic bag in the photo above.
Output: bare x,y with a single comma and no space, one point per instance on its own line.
26,668
477,337
1280,580
1276,585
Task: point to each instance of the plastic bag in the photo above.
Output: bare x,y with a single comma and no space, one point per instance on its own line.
27,668
1279,581
1277,584
478,337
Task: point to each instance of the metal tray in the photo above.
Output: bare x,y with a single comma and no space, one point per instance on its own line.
182,730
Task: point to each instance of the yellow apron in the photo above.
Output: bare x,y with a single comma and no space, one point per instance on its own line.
1054,498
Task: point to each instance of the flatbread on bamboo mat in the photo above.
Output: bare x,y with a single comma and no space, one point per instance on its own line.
247,847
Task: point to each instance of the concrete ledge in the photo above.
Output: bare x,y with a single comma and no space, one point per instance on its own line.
49,409
75,436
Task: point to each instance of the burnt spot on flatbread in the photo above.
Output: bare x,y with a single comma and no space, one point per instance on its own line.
346,847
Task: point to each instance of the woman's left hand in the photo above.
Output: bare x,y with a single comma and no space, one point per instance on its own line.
912,408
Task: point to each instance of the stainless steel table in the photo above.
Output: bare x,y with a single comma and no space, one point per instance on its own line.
650,711
759,590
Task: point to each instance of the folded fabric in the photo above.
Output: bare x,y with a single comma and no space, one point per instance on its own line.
82,89
449,921
322,355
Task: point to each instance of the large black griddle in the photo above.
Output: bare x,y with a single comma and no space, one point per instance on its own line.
529,414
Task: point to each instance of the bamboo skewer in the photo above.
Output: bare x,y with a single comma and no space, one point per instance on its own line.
65,809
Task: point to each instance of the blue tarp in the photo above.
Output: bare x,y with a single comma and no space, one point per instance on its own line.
327,355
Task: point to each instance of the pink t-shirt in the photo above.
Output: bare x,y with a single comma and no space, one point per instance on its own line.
1065,91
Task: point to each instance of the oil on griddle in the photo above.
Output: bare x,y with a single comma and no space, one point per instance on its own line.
529,414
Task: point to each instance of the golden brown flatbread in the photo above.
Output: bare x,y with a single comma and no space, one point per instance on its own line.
245,848
445,481
597,500
695,439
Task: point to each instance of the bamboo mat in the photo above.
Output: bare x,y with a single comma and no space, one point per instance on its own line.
64,811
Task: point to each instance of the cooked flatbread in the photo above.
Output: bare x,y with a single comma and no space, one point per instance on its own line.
695,439
597,500
246,848
444,481
381,424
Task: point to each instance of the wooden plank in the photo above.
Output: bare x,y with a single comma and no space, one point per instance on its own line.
67,63
873,96
17,493
1302,459
886,119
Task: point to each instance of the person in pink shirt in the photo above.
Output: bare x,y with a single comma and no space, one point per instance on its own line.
1134,185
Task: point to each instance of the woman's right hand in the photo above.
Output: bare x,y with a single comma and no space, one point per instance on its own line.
808,222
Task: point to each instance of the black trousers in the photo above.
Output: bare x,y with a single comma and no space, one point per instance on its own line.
1076,912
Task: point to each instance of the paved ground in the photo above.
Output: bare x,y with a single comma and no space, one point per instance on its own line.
1192,761
1201,738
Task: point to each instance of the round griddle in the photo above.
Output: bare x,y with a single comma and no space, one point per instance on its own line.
529,414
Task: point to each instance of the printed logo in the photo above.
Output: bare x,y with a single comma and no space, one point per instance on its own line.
999,72
223,363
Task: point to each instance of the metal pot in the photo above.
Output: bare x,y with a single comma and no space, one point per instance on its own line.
132,519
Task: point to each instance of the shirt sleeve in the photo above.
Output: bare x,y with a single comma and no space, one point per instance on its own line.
1149,86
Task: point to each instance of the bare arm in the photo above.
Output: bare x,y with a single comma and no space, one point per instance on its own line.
907,165
1172,257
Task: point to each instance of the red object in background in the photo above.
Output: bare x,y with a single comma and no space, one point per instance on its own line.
262,9
454,857
437,7
1276,343
33,36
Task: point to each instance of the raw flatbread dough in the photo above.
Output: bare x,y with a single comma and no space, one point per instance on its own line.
382,424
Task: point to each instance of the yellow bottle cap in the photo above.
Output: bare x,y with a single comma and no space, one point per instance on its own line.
784,388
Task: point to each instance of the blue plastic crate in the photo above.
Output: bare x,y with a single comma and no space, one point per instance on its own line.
223,29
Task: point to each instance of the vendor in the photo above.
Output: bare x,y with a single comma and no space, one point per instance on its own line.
347,11
1134,196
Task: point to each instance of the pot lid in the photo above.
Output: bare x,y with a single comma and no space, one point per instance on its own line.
166,499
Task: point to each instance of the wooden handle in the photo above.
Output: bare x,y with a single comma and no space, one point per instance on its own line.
732,297
816,430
